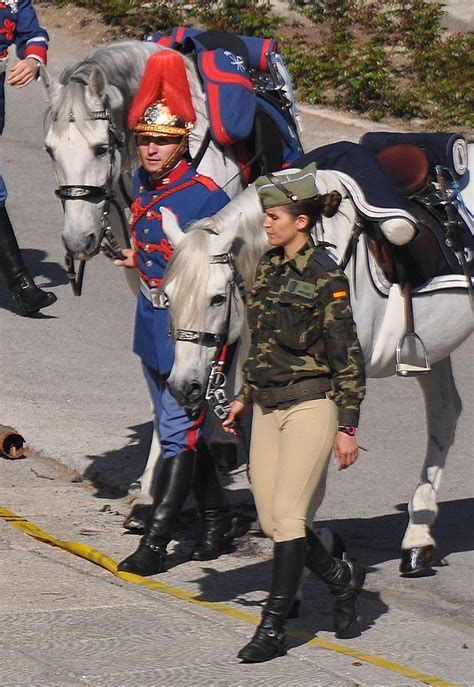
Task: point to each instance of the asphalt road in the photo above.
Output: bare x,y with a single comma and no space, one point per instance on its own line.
71,385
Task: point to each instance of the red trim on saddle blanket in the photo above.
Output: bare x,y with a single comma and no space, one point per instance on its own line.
243,161
165,41
215,111
213,72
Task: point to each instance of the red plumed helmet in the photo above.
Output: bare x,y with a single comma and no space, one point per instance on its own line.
163,103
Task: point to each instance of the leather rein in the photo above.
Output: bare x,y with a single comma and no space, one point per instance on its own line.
107,241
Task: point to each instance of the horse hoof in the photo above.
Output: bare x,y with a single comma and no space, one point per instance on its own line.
416,559
137,518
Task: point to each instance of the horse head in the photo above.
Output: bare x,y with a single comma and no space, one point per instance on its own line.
206,301
84,141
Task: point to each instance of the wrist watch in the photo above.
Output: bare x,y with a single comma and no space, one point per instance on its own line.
348,429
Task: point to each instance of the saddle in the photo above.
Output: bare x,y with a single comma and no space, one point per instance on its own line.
427,256
249,100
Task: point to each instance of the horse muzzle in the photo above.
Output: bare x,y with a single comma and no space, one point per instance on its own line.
190,395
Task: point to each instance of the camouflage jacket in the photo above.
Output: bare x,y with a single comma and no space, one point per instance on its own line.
301,326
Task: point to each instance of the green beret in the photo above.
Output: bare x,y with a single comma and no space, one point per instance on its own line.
286,187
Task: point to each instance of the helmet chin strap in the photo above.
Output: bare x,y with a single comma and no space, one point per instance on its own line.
171,161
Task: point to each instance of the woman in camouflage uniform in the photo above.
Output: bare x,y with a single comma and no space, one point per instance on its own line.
305,377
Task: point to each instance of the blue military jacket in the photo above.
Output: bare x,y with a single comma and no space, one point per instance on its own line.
19,25
190,196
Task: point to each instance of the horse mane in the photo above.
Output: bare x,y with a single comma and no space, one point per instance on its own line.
188,269
251,243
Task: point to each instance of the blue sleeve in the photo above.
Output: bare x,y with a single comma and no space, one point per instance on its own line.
30,38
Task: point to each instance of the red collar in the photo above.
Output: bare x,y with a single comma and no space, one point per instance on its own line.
173,176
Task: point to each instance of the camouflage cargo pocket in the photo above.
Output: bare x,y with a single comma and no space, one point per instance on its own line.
296,324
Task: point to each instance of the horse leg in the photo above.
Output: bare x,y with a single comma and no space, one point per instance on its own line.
443,407
143,502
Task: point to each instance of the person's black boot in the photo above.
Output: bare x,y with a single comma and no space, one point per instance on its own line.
28,298
269,640
171,493
216,521
215,536
344,578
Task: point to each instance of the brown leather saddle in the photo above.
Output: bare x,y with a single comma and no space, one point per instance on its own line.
408,169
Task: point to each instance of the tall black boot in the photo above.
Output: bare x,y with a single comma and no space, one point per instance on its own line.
171,493
216,521
269,641
344,578
27,297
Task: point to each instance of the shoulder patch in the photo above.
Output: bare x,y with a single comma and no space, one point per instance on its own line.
325,260
207,182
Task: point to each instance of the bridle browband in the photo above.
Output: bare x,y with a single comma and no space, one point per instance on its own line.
96,194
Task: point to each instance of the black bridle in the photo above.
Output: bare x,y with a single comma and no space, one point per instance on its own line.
92,194
215,392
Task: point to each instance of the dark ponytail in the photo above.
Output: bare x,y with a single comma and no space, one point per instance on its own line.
326,205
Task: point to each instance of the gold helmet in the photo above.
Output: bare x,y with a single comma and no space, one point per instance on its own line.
163,103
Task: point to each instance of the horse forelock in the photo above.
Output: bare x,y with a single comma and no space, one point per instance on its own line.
188,271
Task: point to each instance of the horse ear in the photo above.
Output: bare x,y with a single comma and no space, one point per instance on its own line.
223,241
51,85
171,226
98,83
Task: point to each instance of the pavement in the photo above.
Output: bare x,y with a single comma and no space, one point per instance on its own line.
72,387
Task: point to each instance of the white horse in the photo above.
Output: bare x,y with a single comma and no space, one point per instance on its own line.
443,317
94,157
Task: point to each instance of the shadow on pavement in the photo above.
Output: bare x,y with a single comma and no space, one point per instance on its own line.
315,613
378,539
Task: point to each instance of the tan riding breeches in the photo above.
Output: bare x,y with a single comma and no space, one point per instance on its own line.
289,455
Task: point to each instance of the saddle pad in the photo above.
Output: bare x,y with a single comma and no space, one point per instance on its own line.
230,99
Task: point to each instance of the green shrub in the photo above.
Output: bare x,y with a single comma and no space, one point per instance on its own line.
378,57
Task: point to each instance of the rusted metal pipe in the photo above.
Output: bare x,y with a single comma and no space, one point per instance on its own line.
11,443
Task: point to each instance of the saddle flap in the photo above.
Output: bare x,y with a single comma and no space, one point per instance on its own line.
407,167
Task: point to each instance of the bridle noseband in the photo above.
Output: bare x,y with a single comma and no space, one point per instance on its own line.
96,194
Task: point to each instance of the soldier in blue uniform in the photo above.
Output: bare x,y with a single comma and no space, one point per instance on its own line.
162,117
19,25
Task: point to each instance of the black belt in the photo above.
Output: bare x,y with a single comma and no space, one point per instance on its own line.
306,390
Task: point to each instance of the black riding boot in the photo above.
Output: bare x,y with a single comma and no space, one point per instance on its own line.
216,522
172,490
343,577
269,641
27,297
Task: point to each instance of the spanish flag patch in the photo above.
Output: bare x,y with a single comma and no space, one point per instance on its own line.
339,294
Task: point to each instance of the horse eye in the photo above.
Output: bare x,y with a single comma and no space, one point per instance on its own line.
217,300
100,150
49,151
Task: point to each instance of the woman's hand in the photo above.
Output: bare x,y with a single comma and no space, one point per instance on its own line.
23,73
129,258
237,408
346,450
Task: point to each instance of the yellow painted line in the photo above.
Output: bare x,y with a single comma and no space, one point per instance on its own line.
104,561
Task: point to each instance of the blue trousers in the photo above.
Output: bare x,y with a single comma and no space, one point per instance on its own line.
178,432
3,191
